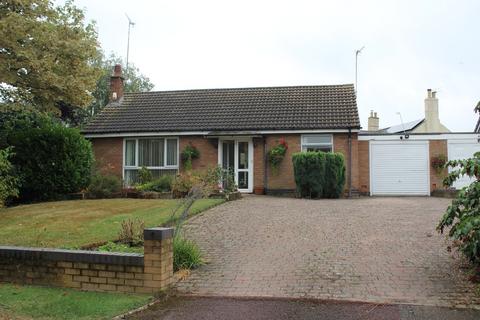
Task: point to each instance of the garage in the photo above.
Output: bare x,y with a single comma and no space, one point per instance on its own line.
462,149
399,167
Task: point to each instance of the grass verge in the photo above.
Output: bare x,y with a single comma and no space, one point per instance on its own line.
31,302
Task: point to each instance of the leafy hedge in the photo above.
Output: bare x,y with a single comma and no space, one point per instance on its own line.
319,174
462,218
51,160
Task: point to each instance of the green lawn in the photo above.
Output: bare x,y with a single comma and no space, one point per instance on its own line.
76,223
29,302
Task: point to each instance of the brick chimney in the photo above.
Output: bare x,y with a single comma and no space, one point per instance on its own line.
116,84
373,121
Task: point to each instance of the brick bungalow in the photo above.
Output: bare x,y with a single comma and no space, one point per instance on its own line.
233,128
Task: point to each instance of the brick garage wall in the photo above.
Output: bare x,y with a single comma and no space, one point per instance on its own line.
208,151
437,147
340,144
94,271
284,180
109,155
364,167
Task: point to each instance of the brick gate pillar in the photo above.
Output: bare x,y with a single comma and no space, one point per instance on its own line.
158,258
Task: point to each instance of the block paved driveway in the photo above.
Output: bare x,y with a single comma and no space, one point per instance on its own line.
382,250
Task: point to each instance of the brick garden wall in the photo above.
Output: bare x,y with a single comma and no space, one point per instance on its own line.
94,271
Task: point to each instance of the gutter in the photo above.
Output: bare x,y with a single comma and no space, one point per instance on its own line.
349,163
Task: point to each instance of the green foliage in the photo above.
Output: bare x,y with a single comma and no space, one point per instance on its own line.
463,215
9,182
186,254
188,154
163,184
104,186
319,174
134,82
47,55
183,183
144,175
276,154
52,160
131,232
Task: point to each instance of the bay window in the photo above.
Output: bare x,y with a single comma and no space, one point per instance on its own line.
317,142
159,155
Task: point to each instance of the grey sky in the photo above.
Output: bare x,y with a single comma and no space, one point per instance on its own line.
409,46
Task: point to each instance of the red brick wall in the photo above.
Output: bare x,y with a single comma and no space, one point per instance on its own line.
258,165
208,152
340,144
364,166
109,155
437,147
284,179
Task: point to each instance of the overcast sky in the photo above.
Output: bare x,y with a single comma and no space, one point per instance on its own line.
409,46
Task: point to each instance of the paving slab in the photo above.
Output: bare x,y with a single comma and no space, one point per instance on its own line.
381,250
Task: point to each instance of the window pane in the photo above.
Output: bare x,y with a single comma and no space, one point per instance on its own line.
319,148
131,177
243,180
171,152
317,139
150,152
243,155
130,152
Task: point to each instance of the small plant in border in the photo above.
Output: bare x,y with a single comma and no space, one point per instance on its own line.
276,155
188,154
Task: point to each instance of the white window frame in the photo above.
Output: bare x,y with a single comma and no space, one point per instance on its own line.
137,167
305,145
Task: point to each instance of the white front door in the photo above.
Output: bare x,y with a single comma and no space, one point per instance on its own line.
399,168
236,154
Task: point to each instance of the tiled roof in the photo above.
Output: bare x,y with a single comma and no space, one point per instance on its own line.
243,109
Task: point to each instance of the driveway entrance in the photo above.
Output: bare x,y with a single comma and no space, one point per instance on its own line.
382,250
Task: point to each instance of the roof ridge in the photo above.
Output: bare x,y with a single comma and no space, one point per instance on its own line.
244,88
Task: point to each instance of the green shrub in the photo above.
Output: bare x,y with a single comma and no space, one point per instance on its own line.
52,160
144,176
186,254
463,215
104,186
9,182
163,184
319,174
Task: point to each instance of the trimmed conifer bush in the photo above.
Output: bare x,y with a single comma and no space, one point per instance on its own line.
319,174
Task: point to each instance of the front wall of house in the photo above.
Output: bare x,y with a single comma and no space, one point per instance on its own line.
208,149
108,155
364,167
340,144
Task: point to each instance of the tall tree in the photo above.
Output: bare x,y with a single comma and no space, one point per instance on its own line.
48,55
134,82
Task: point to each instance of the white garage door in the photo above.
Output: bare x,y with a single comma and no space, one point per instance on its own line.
399,168
462,150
